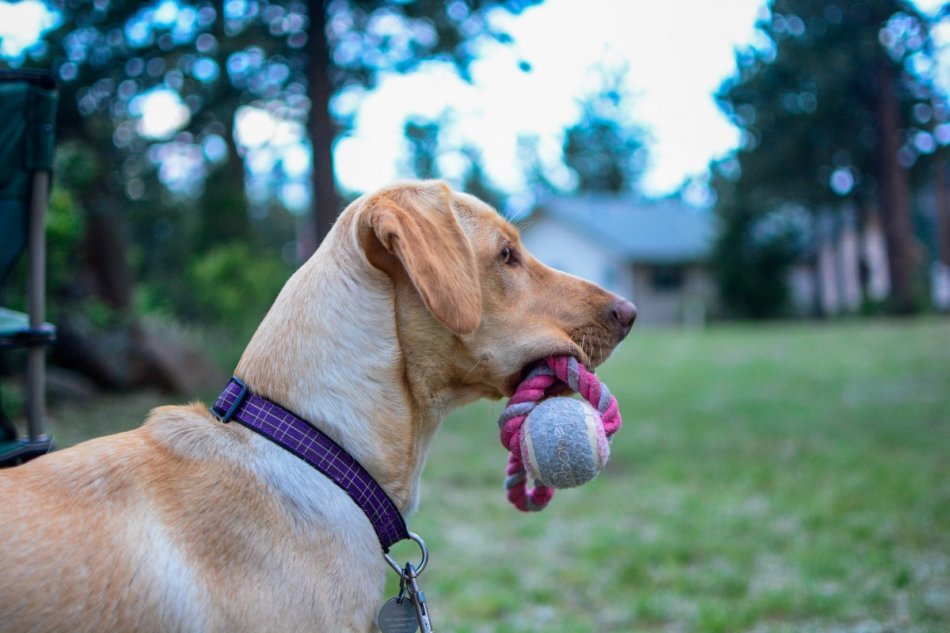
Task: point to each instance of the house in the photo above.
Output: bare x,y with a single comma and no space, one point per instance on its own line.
844,267
652,252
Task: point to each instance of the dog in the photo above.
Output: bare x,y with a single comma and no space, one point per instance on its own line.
419,300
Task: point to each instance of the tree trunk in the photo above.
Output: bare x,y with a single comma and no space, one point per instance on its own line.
224,205
224,208
940,273
817,306
106,255
325,202
942,199
894,188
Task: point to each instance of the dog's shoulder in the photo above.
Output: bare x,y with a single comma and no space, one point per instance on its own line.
191,432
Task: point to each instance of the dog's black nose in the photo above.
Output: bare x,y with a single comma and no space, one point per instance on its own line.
625,313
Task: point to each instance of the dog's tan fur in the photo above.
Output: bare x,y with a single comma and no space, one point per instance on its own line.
407,310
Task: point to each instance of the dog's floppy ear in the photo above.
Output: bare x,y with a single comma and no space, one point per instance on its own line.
414,226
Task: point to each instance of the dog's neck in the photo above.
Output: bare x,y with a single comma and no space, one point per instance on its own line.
329,351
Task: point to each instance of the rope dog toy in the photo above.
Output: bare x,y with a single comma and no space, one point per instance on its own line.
560,442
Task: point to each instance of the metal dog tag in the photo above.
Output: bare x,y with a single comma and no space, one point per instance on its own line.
398,615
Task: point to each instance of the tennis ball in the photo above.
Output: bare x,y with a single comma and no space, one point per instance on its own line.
563,443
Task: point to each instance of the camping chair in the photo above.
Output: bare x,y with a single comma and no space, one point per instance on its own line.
27,115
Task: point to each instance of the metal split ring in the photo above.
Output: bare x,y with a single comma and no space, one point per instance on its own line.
422,564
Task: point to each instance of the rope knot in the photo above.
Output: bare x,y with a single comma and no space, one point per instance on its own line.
541,382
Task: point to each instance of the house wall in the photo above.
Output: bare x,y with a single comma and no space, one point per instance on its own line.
874,249
839,261
567,250
573,253
690,303
801,284
844,254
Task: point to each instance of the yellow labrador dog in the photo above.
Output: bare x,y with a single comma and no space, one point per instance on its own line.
419,300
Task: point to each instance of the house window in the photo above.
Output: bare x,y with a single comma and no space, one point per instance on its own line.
666,277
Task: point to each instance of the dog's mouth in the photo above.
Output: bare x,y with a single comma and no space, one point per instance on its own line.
558,389
589,351
590,345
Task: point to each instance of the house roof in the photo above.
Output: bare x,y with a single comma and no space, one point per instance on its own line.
644,230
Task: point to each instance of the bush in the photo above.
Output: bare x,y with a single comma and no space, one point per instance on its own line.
234,285
752,258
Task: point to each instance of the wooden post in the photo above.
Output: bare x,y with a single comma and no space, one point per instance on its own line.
36,292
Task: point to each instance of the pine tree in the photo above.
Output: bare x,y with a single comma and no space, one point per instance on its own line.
605,148
825,110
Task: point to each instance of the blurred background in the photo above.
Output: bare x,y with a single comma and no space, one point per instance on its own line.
768,181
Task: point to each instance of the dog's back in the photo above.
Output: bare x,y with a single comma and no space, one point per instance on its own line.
78,535
157,530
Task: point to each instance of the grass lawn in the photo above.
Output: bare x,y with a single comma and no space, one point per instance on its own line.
791,477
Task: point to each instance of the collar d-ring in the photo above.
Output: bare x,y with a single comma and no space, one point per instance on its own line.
422,563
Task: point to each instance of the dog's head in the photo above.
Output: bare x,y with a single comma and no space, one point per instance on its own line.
474,308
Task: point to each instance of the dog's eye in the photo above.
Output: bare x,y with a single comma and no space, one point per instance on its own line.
506,254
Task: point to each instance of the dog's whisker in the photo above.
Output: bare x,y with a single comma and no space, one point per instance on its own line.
469,373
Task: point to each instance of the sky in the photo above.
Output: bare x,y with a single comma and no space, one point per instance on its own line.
677,53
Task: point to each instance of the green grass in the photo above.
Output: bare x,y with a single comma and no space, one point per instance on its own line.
791,477
767,478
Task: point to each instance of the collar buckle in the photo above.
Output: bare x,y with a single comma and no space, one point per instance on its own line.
227,416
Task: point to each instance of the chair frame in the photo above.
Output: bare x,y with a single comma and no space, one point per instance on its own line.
39,334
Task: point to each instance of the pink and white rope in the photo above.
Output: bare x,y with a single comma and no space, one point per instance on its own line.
541,382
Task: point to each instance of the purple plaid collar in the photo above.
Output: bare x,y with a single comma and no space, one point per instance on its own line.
312,446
